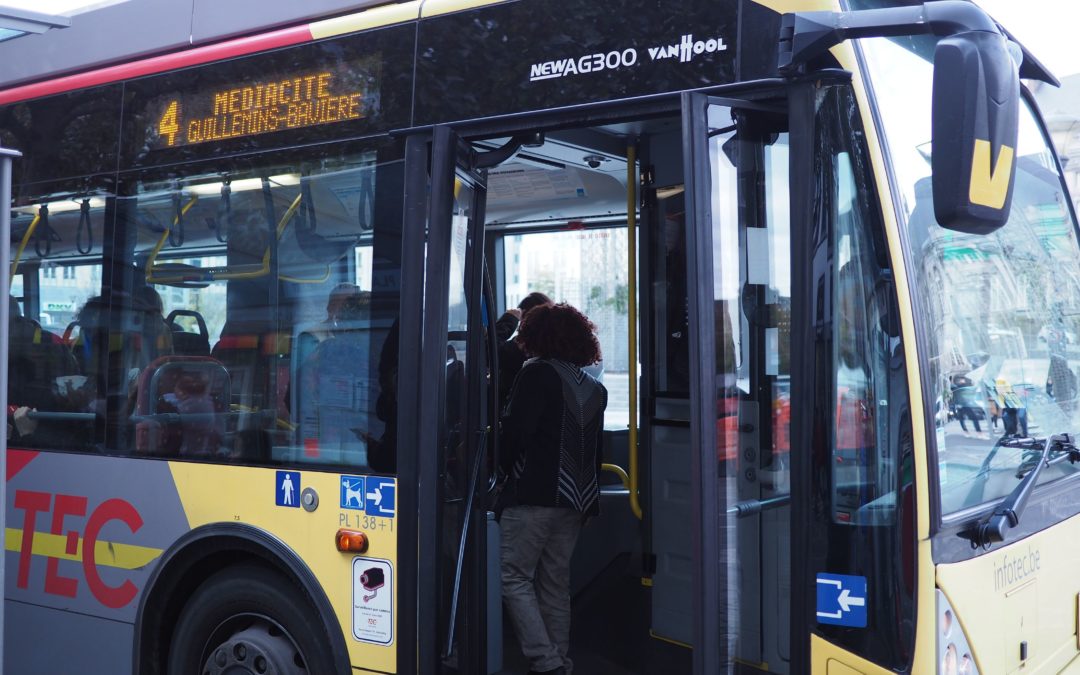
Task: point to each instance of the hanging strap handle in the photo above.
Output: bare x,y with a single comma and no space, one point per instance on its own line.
42,240
85,225
176,233
224,212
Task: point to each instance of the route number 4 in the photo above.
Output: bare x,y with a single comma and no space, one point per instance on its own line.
170,122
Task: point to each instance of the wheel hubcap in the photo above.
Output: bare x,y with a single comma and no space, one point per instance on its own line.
260,647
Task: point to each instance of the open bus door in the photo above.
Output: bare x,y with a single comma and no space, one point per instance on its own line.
739,300
718,466
454,442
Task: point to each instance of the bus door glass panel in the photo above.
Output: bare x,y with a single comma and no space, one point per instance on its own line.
751,289
862,499
276,296
586,268
464,469
57,380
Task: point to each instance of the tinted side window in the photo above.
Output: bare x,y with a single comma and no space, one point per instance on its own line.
238,312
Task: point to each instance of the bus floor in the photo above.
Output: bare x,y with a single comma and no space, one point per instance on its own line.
610,630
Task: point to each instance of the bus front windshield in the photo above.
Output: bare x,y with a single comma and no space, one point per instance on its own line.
1000,313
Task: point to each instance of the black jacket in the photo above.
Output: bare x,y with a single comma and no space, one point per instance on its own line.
552,436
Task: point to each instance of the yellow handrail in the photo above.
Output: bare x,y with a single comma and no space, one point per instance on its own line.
631,282
150,279
22,246
618,471
239,271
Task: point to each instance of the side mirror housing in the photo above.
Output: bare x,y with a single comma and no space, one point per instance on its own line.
976,104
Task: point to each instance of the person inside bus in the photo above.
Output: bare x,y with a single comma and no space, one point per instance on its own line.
553,431
511,357
156,336
337,398
201,429
38,364
308,340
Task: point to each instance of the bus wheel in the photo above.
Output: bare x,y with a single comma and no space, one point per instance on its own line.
249,619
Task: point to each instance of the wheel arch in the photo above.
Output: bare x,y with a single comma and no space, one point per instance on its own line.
202,552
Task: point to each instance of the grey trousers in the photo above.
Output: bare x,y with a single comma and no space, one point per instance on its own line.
537,542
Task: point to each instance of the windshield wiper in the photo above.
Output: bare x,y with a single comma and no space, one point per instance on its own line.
992,529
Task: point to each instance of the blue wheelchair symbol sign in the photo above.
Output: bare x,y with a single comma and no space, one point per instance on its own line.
380,496
352,492
841,600
287,488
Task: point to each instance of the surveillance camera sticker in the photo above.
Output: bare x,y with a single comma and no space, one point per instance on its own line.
373,600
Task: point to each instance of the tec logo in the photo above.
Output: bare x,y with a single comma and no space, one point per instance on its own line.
841,600
73,528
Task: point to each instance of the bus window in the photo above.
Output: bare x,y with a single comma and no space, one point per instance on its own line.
1000,311
59,379
863,477
587,269
863,468
274,294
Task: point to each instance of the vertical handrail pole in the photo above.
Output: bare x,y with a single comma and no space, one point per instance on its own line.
6,156
631,290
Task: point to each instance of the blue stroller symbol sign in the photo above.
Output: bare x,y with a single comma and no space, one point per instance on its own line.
841,600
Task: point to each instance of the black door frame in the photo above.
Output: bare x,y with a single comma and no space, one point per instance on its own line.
434,153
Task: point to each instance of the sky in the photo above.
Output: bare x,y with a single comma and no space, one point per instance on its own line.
1046,27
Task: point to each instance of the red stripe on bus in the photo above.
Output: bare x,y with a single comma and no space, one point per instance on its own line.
159,64
18,459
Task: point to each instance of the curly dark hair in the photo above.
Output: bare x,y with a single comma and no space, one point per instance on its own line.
559,332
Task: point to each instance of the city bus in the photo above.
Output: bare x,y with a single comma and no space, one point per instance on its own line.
256,265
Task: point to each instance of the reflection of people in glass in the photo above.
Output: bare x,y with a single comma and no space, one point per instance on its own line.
553,430
1013,410
1061,383
854,404
382,453
965,401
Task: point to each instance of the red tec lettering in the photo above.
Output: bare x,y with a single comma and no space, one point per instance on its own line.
70,506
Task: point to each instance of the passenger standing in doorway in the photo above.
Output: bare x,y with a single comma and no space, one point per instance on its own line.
511,357
552,430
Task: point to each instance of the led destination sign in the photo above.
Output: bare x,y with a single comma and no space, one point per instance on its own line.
294,101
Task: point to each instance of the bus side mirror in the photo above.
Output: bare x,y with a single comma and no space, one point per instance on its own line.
976,101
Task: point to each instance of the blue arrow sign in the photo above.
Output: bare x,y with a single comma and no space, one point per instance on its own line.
841,600
379,496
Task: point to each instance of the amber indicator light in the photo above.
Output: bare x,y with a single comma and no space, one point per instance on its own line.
351,541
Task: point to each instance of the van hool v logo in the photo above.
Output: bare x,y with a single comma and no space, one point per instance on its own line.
684,50
687,48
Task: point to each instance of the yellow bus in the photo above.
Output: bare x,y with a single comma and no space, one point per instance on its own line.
255,272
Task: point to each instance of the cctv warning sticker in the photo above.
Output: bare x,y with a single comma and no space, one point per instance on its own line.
373,601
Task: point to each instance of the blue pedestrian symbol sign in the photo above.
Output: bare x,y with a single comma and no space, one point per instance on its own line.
352,492
287,488
841,600
380,495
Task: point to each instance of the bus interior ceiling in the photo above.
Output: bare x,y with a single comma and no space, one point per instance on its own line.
556,217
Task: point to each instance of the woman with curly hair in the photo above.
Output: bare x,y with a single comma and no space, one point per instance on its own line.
552,429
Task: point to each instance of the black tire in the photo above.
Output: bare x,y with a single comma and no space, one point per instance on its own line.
249,619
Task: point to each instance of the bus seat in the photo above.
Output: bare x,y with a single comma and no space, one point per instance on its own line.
238,350
36,359
182,405
185,343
